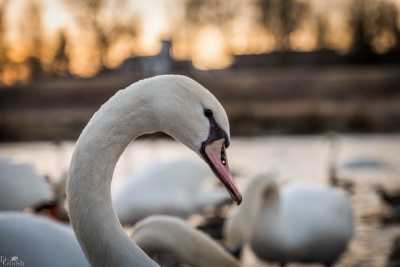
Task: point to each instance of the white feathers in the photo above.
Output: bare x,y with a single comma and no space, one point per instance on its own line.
172,236
172,104
21,187
298,223
38,241
174,188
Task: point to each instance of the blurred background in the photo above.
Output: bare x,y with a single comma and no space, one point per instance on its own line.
301,66
309,87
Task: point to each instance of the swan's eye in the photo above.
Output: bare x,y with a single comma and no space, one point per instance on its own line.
223,156
208,113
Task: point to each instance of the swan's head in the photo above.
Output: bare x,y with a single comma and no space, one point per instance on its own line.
213,151
192,115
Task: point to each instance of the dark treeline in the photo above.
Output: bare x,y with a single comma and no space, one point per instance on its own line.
41,55
370,21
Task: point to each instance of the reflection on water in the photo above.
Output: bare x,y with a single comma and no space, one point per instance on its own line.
292,158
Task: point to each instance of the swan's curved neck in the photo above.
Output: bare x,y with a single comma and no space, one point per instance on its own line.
89,187
269,214
250,214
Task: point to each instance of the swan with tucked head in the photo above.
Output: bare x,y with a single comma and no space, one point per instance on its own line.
297,223
15,195
175,188
173,104
173,237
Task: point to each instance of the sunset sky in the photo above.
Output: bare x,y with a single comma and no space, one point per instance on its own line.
209,45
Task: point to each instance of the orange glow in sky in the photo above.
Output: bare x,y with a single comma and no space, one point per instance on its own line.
210,50
207,45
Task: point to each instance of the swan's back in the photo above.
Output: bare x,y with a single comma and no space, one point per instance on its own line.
315,209
39,241
172,236
21,187
173,188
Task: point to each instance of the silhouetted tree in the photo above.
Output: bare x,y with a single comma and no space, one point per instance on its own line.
60,61
215,12
106,37
370,20
94,7
3,58
281,18
386,20
322,30
34,16
362,43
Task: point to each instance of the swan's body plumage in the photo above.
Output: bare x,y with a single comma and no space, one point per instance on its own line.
173,104
186,245
298,223
172,188
39,241
314,225
21,187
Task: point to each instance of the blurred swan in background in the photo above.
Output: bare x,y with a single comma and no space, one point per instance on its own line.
333,174
39,241
366,163
170,236
173,188
298,223
22,187
173,104
176,188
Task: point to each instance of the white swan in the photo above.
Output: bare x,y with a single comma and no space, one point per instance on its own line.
38,241
21,187
298,223
172,188
171,236
175,105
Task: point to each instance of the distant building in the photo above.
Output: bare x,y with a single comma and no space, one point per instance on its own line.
162,63
158,64
149,65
